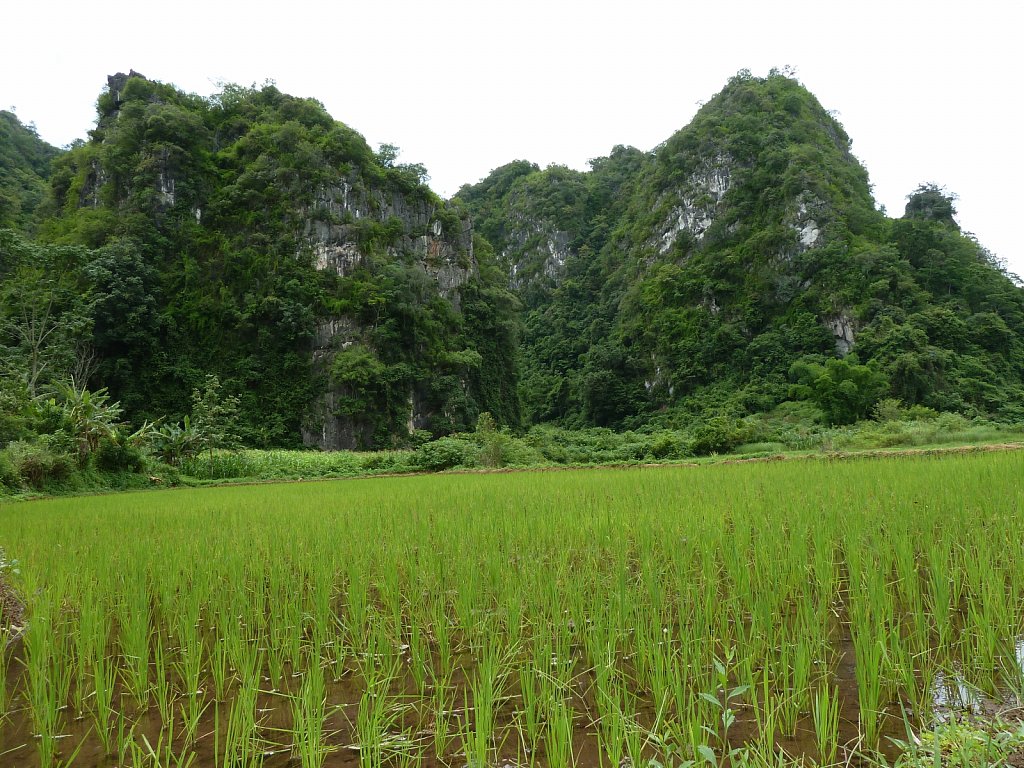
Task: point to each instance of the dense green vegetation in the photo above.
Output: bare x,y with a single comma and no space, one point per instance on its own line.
709,276
24,169
739,273
196,221
780,614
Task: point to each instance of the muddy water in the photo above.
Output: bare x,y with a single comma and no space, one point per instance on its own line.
18,746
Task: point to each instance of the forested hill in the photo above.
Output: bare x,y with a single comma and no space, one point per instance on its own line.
253,237
24,169
740,264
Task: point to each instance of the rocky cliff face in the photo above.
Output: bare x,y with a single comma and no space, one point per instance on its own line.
445,259
536,250
280,241
446,256
696,203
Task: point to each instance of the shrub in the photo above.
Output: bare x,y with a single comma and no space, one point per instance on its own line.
667,445
520,454
117,457
38,464
719,434
494,445
920,412
420,437
385,461
445,453
8,474
951,422
889,409
173,443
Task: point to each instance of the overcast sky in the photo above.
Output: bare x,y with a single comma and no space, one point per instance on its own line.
928,91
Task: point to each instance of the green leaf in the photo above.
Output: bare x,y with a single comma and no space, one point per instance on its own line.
711,699
708,754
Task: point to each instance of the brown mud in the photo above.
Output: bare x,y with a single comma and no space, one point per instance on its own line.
415,720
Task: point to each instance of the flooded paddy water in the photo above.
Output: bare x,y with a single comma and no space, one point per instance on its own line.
816,613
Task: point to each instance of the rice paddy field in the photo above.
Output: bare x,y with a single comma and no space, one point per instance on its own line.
805,612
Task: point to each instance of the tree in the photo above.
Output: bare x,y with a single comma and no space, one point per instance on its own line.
931,202
90,416
44,315
214,416
14,409
844,390
387,154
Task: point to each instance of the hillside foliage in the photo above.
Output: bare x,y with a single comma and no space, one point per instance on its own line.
715,274
24,169
251,239
190,223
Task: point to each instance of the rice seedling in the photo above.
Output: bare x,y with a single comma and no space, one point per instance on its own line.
477,735
669,615
558,734
133,638
104,681
243,747
144,754
162,691
826,723
308,715
41,692
443,715
375,725
217,666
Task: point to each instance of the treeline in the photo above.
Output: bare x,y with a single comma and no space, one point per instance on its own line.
739,269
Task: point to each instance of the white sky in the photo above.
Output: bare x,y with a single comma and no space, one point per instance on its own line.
928,91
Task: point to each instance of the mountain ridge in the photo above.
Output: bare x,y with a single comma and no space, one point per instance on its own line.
739,265
753,231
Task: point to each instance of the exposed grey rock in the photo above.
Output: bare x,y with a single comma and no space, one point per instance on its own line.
116,84
844,330
809,212
699,201
535,242
330,232
89,196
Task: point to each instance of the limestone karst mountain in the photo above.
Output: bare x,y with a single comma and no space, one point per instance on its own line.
740,264
694,278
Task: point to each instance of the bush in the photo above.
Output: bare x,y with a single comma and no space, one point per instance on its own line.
118,457
667,445
719,434
520,454
920,412
420,437
445,453
494,445
8,474
38,464
385,461
889,409
951,422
